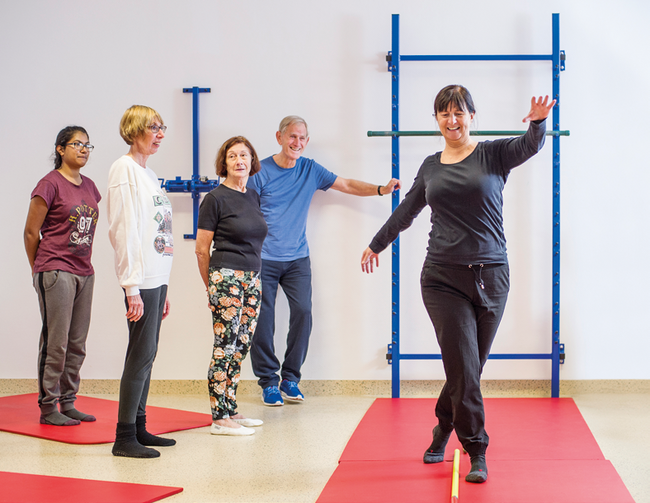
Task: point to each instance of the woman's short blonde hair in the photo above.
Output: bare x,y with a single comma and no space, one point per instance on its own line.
136,120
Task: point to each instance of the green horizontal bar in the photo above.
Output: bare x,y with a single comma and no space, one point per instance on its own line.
472,133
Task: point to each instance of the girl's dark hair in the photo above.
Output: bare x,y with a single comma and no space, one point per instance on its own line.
453,95
220,163
64,136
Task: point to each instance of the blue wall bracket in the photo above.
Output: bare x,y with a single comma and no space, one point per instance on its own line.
557,59
197,183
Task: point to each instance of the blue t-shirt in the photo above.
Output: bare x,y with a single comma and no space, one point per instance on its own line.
285,195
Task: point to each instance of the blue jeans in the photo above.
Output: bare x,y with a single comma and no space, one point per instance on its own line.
295,279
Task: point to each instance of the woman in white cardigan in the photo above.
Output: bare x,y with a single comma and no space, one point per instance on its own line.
140,230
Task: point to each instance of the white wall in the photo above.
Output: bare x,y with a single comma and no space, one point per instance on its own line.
85,62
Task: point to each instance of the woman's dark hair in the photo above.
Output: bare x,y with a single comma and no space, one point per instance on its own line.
455,96
64,137
220,163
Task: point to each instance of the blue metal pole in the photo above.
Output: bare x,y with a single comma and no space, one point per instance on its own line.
195,131
557,67
195,157
196,195
395,276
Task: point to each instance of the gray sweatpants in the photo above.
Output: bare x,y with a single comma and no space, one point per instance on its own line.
65,301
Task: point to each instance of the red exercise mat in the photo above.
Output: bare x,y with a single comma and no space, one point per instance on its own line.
519,428
510,481
20,414
21,487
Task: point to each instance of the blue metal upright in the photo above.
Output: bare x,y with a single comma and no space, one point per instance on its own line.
557,57
558,349
197,183
395,312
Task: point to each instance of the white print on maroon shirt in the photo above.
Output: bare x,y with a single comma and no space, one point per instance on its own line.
83,220
164,241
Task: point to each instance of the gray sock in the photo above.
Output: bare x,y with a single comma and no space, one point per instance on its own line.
75,414
57,419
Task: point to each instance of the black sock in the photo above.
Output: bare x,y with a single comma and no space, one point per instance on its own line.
127,445
478,473
436,451
146,438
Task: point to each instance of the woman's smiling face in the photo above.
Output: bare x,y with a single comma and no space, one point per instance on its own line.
454,124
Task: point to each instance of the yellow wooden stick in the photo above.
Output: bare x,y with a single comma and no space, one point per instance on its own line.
454,477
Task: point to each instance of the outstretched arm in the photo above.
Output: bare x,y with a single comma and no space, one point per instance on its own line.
539,109
359,188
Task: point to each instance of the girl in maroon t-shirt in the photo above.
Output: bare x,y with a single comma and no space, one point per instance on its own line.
59,235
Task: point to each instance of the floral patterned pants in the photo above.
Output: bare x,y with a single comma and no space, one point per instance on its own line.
235,304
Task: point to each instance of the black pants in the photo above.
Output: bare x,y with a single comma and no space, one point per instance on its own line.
465,304
140,354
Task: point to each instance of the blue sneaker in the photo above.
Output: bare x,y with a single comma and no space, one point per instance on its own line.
271,396
291,392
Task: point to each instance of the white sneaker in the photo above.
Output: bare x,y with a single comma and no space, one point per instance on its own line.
215,429
248,422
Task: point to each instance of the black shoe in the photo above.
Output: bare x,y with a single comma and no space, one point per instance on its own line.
436,451
478,473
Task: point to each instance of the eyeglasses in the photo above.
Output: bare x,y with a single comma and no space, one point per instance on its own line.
77,145
155,128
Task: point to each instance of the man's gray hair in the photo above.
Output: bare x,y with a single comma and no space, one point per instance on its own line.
290,120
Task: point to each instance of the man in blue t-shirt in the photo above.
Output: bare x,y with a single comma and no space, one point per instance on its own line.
286,184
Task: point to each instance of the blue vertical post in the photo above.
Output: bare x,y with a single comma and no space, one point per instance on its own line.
395,277
557,67
196,196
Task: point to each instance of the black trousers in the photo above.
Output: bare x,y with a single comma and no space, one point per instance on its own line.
465,304
140,355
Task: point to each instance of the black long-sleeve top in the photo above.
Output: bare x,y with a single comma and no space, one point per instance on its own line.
466,200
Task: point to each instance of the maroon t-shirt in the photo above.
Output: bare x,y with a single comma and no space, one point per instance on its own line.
69,227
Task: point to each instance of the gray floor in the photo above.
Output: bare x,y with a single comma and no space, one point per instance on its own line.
292,456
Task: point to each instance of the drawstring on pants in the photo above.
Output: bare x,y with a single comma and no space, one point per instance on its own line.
477,273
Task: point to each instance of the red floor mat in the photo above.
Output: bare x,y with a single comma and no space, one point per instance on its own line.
22,487
519,428
20,414
541,451
510,481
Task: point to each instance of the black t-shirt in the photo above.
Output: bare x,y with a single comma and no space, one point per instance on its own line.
238,225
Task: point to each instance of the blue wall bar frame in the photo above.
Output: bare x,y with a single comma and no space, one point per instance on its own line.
557,58
197,183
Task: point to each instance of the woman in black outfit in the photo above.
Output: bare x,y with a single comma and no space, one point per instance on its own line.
465,277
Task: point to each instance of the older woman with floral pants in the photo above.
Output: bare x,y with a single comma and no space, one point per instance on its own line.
231,221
